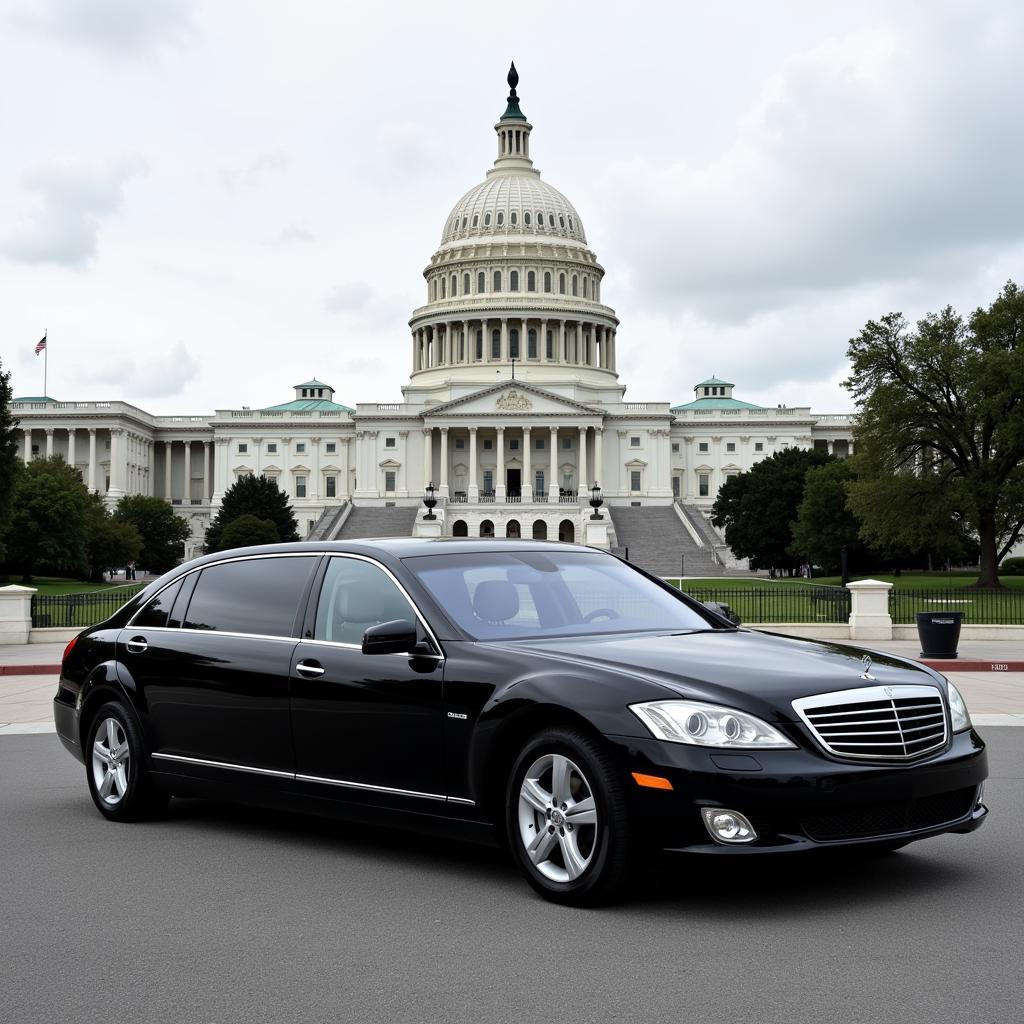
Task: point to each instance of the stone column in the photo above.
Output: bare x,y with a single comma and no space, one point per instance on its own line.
598,455
49,442
504,339
186,497
560,350
314,484
168,453
499,484
72,454
220,469
582,482
552,483
428,455
527,484
467,356
117,464
415,351
206,471
443,492
869,610
28,446
542,341
524,340
474,490
849,447
92,459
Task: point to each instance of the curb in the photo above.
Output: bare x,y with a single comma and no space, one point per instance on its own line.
29,670
971,665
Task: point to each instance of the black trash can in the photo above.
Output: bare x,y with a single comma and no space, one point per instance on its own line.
939,633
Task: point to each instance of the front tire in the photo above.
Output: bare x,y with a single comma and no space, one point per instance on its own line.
115,766
566,819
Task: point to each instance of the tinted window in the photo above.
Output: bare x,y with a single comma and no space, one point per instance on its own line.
495,595
356,595
155,613
259,595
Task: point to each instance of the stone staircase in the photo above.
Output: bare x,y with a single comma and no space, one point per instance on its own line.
713,539
374,521
655,539
324,527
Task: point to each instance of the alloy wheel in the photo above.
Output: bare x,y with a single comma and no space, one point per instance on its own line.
111,761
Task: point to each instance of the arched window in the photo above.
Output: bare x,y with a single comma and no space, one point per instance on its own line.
481,282
513,343
454,286
584,286
540,219
487,528
547,280
575,285
433,288
459,528
497,280
495,344
540,530
561,221
476,219
551,219
571,228
514,219
561,284
487,220
531,344
465,284
501,218
526,218
463,223
531,281
513,280
512,529
442,288
479,346
566,531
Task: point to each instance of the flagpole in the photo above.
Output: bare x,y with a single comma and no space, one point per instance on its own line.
46,356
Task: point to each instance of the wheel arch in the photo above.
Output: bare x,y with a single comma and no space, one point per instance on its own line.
103,685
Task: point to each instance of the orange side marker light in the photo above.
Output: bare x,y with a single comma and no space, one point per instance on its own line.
651,781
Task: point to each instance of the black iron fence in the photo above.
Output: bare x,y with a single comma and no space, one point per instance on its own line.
780,603
982,607
79,609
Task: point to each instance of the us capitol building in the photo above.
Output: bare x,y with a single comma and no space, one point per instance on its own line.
513,410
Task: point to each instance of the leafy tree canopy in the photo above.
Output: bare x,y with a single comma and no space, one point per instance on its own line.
9,463
112,542
162,531
946,399
824,524
257,496
248,530
757,509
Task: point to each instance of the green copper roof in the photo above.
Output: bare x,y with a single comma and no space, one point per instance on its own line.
314,383
34,399
306,405
512,111
715,380
716,403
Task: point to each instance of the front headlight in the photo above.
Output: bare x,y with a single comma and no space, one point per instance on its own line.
707,725
958,717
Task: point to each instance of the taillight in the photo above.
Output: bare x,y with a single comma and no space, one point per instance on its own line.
67,650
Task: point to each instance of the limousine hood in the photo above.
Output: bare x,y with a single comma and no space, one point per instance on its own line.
734,667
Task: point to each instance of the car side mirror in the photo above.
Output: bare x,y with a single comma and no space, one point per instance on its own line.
724,610
395,637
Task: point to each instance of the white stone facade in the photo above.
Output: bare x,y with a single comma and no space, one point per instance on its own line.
513,409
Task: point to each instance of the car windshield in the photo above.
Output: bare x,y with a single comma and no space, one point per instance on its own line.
508,595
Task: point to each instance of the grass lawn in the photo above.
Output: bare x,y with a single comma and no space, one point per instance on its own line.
908,581
57,585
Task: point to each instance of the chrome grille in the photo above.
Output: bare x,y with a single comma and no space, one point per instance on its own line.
892,722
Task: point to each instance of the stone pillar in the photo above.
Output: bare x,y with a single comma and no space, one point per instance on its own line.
474,489
869,610
443,491
117,464
560,350
524,340
499,483
15,614
542,341
28,447
415,351
467,355
220,470
91,481
598,455
504,339
553,470
186,496
206,471
582,482
314,482
49,442
72,454
849,447
527,484
428,455
168,460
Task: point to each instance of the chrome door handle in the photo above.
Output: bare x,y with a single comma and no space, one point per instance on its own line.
136,645
310,669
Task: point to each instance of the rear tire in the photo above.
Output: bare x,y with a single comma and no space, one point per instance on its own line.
566,819
116,767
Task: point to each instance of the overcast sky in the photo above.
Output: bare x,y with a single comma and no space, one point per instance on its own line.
205,203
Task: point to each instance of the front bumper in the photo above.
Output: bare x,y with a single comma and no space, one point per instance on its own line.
802,799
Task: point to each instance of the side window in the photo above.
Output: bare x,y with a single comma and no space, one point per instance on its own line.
155,613
356,595
257,595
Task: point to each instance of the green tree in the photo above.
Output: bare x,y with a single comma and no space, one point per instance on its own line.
49,522
112,541
947,399
248,530
824,523
757,509
162,531
9,464
257,496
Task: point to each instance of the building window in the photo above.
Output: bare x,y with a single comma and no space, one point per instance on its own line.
675,447
758,446
551,220
538,482
488,481
513,343
575,285
531,344
634,442
332,486
389,481
567,481
479,346
481,282
703,484
702,447
531,281
513,444
513,219
271,449
332,447
561,284
442,288
488,444
243,449
567,443
495,344
460,444
501,218
730,446
476,219
389,442
675,487
487,220
538,444
513,281
634,479
526,218
300,487
300,448
547,280
550,346
584,287
465,284
497,280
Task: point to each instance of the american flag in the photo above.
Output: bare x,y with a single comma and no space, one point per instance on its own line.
42,345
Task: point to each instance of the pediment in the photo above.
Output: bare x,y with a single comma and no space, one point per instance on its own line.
510,398
636,464
271,469
300,468
389,464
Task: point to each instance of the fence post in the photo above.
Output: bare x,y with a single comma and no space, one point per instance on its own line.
15,614
869,610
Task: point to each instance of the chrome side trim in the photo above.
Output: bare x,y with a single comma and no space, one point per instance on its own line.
461,800
217,632
373,789
224,764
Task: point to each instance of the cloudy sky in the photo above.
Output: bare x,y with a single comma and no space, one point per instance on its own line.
207,202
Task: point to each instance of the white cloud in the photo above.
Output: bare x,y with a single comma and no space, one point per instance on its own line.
156,374
255,172
292,233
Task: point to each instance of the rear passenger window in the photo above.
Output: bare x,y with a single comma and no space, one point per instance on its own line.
155,613
258,595
356,595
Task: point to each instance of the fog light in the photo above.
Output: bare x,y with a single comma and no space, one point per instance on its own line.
728,826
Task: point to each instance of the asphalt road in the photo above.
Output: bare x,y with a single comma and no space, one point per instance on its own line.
227,915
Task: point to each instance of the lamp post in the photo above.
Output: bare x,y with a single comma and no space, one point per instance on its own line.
596,501
429,501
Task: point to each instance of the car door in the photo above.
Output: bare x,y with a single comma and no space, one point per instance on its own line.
213,685
367,727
